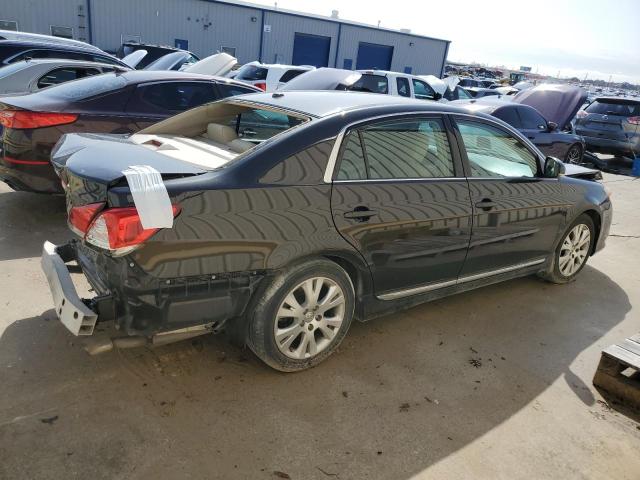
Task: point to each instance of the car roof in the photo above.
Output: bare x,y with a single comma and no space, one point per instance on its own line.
44,40
66,62
616,99
142,76
324,103
487,105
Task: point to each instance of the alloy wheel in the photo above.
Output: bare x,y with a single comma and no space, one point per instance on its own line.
309,318
573,156
574,250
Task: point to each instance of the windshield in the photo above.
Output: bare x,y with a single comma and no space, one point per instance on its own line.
615,107
12,68
370,83
86,87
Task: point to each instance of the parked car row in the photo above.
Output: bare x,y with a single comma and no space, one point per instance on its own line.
201,203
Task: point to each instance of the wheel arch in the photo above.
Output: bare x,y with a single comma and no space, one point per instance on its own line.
597,224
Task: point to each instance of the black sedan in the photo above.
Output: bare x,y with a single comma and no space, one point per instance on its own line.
281,217
109,103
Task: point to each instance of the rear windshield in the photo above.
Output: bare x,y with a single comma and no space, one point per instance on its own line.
371,83
86,87
290,75
623,108
252,73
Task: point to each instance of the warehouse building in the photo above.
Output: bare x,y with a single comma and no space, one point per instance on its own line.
247,31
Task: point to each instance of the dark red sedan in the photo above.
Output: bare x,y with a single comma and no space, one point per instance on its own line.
111,103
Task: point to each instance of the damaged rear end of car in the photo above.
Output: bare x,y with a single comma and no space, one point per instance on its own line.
126,202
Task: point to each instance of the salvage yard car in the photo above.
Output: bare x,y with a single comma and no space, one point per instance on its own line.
611,125
108,103
282,217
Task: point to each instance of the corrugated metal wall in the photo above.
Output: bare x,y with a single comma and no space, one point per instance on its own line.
209,25
38,16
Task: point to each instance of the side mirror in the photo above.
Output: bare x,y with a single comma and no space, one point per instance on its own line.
553,167
551,126
437,96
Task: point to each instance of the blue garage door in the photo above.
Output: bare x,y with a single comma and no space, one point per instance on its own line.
372,55
311,50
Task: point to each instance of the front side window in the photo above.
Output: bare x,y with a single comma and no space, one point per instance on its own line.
399,149
402,84
508,115
177,96
532,120
371,83
422,90
493,152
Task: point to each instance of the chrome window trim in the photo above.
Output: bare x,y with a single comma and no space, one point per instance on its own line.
333,158
449,283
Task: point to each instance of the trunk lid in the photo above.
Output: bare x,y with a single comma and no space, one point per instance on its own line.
91,164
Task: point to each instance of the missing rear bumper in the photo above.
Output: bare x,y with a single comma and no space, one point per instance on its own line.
72,311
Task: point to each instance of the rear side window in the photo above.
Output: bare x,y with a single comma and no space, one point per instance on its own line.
422,90
492,152
177,96
290,75
621,108
87,87
402,84
398,150
252,73
61,75
371,83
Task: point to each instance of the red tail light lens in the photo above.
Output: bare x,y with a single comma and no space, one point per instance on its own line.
119,229
582,114
634,120
80,217
261,85
22,119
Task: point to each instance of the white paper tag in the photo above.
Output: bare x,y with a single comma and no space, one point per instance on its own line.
150,196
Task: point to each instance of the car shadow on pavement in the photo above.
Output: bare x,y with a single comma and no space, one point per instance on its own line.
27,220
401,393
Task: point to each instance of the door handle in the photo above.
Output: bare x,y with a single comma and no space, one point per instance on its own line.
486,204
361,214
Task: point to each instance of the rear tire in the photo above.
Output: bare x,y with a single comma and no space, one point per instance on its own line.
303,316
572,252
574,154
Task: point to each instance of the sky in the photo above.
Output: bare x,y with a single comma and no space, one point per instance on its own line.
598,38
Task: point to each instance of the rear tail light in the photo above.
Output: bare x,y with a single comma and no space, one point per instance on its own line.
23,119
80,217
261,85
582,114
634,120
119,230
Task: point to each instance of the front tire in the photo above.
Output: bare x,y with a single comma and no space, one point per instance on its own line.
574,154
573,251
303,316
